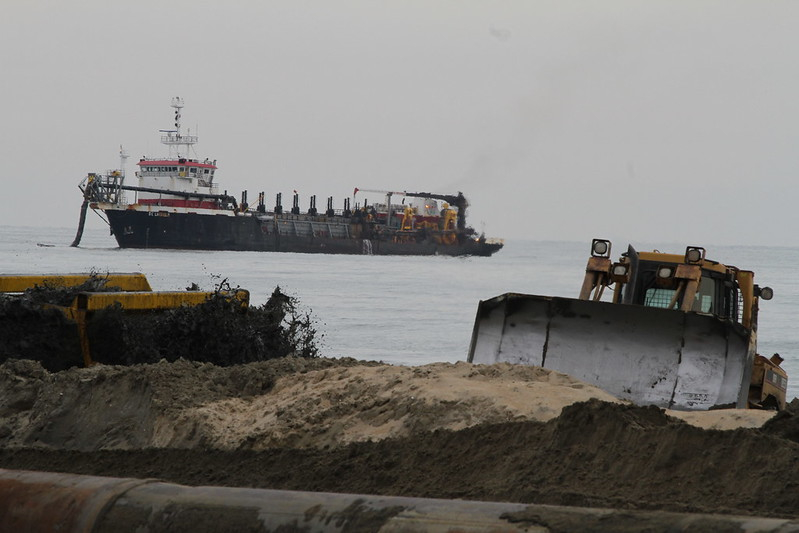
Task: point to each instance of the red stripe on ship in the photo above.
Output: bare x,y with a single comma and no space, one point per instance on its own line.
195,204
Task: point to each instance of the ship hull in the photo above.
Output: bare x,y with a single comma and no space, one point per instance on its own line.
276,233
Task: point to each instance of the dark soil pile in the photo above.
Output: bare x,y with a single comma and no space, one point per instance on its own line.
218,331
786,423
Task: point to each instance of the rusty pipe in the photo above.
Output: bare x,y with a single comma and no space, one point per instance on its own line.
48,501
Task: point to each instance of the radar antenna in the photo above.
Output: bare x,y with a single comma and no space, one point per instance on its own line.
173,138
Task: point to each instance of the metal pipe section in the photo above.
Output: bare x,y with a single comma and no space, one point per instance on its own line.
47,501
184,194
81,224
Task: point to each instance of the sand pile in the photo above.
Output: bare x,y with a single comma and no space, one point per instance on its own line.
498,432
291,402
295,402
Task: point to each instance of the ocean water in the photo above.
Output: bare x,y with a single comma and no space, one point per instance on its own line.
401,310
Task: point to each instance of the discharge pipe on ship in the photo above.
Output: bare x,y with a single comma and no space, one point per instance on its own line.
81,223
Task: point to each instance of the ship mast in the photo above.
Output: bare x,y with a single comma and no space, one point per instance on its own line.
123,157
173,138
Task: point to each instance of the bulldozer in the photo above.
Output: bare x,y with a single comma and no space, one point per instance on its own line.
675,331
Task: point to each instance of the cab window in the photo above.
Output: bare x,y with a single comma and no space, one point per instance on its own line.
705,294
658,297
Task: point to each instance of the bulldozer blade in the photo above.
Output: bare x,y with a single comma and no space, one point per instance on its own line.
650,356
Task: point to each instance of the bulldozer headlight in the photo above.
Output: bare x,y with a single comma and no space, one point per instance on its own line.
619,270
665,272
764,293
600,248
618,273
694,254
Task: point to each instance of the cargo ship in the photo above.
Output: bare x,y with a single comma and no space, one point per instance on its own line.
177,204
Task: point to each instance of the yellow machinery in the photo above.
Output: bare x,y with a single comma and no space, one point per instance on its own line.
129,291
679,331
22,282
769,383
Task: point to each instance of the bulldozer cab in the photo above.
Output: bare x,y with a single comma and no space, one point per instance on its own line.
688,282
655,291
676,331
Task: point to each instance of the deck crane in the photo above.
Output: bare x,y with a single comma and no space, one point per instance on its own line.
456,200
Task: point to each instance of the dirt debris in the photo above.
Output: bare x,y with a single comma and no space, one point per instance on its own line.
785,424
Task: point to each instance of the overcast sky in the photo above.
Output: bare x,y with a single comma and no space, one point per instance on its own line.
636,120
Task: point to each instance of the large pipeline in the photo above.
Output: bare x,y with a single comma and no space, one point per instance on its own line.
184,194
47,502
81,223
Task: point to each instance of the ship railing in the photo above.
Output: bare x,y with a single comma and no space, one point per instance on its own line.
202,180
107,187
172,159
178,139
303,214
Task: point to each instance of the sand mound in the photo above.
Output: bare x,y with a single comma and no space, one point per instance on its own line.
498,432
307,403
342,405
292,402
596,454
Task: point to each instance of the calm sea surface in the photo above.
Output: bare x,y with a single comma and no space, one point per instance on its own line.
401,310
